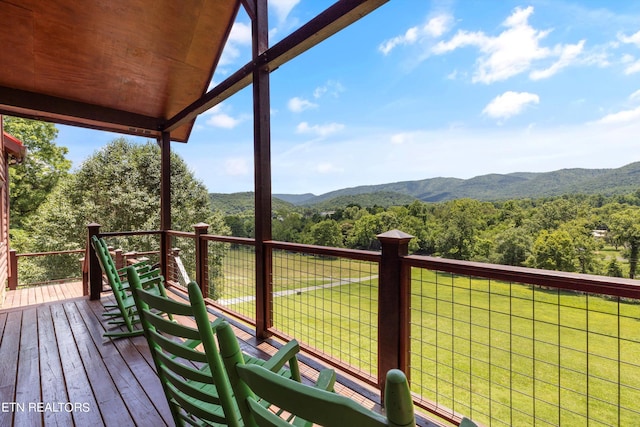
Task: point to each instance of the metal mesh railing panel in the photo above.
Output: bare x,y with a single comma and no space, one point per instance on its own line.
514,354
329,303
237,283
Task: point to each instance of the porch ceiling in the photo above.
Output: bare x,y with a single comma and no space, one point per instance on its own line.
138,67
121,65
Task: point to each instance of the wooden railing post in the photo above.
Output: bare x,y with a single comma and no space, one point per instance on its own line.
119,258
393,305
13,270
95,273
202,258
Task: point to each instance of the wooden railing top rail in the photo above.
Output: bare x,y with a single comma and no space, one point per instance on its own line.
128,233
354,254
613,286
70,251
230,239
175,233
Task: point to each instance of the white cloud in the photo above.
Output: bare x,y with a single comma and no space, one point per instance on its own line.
632,39
220,119
223,121
283,8
236,166
331,87
633,67
510,104
635,96
320,130
621,117
567,53
298,105
401,138
434,28
513,51
240,35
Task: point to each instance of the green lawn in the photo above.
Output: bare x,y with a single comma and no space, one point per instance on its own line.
524,355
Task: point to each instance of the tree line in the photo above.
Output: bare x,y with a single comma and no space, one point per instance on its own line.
592,234
118,187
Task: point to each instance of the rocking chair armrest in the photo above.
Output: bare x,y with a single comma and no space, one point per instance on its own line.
149,274
141,267
326,379
286,353
149,282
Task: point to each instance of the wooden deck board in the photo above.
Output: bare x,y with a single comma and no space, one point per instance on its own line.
51,382
23,297
57,369
131,378
8,362
53,352
77,382
28,371
110,401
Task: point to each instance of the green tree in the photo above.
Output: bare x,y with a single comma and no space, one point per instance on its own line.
585,245
44,165
119,188
364,231
551,214
326,233
513,246
624,227
553,250
459,224
614,269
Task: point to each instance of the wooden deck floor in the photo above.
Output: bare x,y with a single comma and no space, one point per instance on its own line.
23,297
57,369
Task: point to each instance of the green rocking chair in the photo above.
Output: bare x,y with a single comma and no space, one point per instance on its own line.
123,313
265,399
187,359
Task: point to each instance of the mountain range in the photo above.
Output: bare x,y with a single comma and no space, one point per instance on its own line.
491,187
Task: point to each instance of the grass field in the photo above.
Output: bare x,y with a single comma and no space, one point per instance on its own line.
505,354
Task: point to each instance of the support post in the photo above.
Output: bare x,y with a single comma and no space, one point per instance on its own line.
202,258
13,270
262,165
119,259
165,200
95,272
393,305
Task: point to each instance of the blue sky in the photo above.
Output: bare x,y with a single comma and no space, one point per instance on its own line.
421,89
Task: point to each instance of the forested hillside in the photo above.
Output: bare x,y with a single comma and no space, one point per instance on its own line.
594,234
493,187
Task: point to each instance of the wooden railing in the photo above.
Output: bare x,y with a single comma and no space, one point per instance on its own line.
14,276
444,322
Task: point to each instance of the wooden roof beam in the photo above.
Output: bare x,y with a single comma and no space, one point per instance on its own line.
15,102
335,18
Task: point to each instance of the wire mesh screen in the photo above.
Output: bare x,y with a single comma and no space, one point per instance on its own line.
135,247
330,304
236,283
182,260
50,267
509,354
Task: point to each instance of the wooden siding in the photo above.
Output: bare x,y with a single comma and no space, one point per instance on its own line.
4,214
